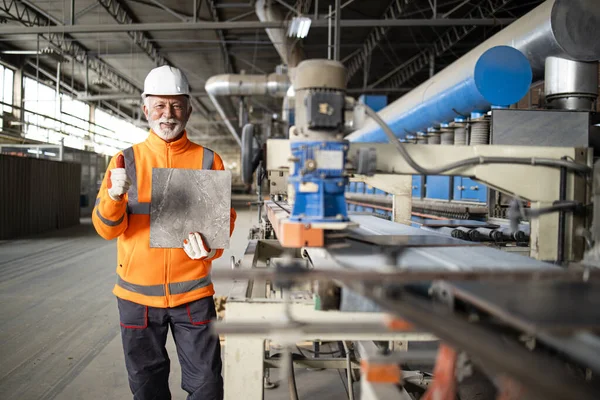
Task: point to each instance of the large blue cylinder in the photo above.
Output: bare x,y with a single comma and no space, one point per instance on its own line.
501,76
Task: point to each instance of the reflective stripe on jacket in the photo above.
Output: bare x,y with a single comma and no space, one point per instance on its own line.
154,277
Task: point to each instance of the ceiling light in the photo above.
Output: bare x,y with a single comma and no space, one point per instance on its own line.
299,27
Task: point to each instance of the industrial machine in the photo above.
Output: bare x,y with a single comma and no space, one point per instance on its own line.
506,285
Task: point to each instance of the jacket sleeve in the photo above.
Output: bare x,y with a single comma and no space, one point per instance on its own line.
109,217
218,165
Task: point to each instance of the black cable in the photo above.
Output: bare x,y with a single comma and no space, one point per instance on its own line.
320,352
280,206
517,211
545,162
343,383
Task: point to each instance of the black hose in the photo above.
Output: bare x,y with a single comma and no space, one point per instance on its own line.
545,162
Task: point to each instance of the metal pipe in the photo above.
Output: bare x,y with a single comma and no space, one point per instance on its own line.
562,196
333,272
277,25
275,85
272,16
570,85
72,12
336,49
329,35
546,31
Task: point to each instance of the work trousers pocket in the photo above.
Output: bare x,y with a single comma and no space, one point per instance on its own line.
132,315
202,311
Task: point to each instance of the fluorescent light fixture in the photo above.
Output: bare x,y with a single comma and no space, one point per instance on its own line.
299,27
45,50
33,151
49,153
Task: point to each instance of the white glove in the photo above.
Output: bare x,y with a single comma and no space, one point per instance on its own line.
195,248
118,183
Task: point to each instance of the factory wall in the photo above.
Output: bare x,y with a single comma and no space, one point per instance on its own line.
37,195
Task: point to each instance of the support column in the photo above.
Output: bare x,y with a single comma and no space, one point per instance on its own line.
243,361
18,99
400,186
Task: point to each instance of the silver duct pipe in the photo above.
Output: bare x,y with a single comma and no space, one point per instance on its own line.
289,49
275,85
571,85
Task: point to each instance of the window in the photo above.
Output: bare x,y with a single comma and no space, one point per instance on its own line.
6,91
114,134
54,120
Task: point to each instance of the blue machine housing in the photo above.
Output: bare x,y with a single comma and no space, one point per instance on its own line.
319,194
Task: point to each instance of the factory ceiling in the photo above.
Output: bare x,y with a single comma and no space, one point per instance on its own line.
401,43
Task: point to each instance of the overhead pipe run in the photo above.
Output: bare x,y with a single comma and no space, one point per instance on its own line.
288,48
501,76
557,28
275,85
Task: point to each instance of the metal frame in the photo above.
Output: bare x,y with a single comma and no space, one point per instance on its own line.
541,186
393,11
224,25
403,73
53,31
123,15
244,353
214,15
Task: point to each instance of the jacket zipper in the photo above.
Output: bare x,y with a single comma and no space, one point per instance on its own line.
168,254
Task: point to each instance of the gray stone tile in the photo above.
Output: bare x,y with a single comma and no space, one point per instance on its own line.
188,200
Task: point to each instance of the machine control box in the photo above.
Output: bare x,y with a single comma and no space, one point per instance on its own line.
325,110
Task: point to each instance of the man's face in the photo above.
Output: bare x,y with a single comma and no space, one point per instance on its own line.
167,115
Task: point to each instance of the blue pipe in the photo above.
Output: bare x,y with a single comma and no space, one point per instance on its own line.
501,76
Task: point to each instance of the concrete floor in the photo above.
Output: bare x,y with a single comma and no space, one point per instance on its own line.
59,331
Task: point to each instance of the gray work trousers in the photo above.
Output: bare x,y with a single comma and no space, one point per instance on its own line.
144,332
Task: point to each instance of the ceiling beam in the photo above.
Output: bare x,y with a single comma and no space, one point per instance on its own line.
444,42
212,10
50,31
395,10
124,16
222,25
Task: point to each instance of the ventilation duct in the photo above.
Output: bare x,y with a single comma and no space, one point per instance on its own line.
557,28
275,85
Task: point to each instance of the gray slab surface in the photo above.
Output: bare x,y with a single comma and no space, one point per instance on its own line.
188,200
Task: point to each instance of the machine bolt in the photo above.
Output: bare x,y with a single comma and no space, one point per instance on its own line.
340,184
345,147
273,184
323,176
310,165
339,216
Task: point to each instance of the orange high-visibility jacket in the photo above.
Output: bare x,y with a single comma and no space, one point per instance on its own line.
153,277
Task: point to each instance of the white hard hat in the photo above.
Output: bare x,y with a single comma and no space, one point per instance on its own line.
166,80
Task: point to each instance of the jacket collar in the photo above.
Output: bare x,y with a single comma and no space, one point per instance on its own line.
157,144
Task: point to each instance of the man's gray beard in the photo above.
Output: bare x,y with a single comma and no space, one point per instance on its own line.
166,134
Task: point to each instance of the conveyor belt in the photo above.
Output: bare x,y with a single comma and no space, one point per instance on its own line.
554,307
452,257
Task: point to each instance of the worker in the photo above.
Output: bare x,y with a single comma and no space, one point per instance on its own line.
159,288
